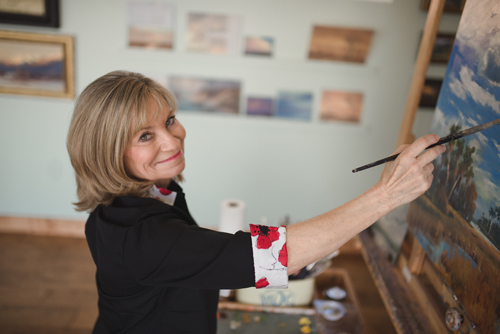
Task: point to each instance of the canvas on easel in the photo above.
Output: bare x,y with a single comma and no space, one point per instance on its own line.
457,221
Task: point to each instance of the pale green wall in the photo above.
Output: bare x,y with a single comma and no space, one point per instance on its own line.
277,166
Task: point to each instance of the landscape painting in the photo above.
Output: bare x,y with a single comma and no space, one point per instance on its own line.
215,34
442,48
150,25
210,95
341,106
457,221
259,46
260,106
294,105
430,93
36,64
340,44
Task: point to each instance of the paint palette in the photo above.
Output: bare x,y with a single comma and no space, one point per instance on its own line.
242,322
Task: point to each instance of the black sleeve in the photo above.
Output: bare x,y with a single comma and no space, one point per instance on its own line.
168,252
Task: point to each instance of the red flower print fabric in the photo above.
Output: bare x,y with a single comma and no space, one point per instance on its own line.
162,194
270,256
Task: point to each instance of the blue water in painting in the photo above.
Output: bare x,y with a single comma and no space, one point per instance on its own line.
436,251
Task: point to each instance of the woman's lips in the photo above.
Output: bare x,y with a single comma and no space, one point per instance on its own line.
173,157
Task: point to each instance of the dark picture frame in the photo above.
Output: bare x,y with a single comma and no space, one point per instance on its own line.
430,93
442,48
450,6
49,19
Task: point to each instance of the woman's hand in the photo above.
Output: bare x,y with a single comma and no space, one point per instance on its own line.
410,175
402,180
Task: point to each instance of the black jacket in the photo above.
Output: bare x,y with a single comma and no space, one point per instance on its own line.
157,271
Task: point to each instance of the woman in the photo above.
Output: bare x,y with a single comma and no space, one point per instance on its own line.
157,271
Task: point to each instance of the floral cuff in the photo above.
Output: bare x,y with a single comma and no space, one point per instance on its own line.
269,256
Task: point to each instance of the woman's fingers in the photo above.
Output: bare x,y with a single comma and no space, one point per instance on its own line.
428,169
415,149
401,149
431,154
410,175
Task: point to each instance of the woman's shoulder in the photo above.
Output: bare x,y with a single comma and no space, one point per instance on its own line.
127,211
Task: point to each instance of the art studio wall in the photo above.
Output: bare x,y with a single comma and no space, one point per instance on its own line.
278,166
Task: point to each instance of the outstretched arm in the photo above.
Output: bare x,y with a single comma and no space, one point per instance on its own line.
402,181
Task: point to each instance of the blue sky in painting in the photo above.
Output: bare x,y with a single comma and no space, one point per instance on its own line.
470,95
294,105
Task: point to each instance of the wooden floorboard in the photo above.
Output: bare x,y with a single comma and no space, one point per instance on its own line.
47,285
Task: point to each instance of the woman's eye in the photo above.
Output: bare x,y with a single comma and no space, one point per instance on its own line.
170,121
145,136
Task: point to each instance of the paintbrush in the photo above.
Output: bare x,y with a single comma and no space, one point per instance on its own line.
444,140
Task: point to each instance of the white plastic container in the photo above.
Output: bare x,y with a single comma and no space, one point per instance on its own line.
299,293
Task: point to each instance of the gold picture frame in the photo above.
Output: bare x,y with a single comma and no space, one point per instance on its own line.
37,64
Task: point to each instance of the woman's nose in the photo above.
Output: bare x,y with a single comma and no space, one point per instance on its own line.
168,141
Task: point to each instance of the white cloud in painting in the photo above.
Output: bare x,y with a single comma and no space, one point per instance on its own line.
457,88
497,145
472,122
490,65
478,25
467,86
474,142
482,138
479,32
441,123
487,190
461,115
467,121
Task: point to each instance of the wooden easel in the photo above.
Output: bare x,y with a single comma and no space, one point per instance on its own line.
413,291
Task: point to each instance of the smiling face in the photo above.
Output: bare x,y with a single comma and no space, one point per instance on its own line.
156,151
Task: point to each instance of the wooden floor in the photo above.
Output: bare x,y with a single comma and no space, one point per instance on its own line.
47,286
372,306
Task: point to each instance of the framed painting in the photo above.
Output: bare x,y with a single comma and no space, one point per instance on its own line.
294,105
260,106
442,48
340,44
212,33
457,221
151,25
208,95
259,46
430,93
341,106
30,12
36,64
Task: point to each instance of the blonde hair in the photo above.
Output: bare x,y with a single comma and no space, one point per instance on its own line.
107,114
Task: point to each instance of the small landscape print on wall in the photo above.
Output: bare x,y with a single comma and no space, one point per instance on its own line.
212,33
341,106
150,25
210,95
340,44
